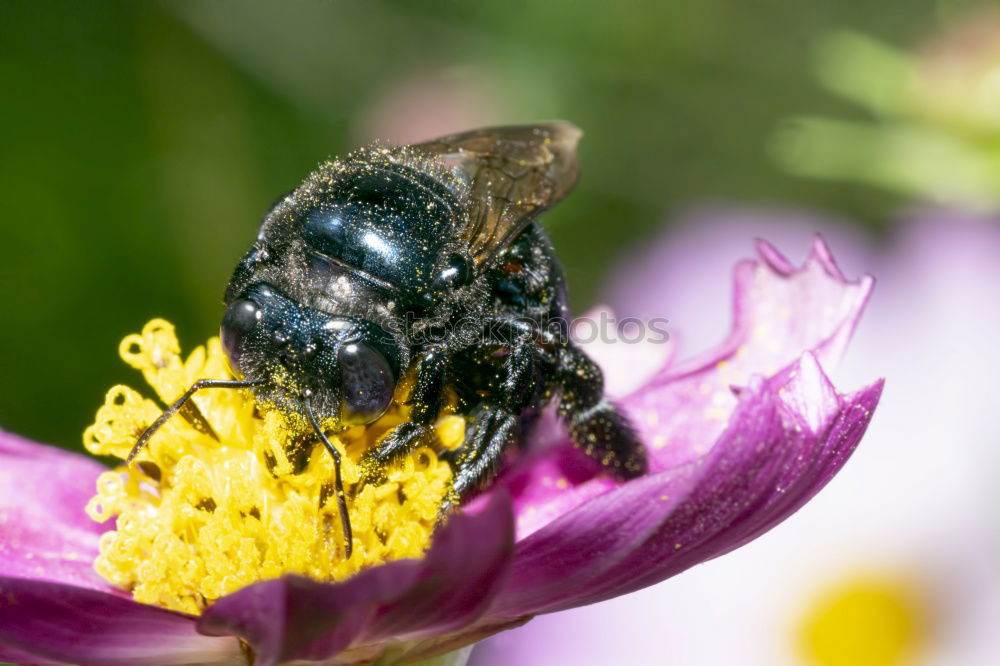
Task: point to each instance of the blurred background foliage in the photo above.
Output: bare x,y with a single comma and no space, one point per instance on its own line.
142,141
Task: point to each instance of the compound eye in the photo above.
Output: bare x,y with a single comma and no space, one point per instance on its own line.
238,323
457,272
367,383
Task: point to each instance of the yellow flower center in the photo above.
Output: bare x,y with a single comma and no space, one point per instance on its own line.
866,620
199,517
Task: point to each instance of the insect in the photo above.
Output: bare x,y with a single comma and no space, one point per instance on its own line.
426,262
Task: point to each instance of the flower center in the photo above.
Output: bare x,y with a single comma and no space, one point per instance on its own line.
200,517
866,620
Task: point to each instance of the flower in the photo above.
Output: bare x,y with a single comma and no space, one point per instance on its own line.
739,438
900,553
202,515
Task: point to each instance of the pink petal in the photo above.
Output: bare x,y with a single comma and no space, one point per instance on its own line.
773,456
295,618
58,623
44,532
780,313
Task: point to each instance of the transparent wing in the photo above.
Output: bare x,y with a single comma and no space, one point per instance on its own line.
511,174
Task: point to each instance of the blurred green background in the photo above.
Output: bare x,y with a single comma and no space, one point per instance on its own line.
140,142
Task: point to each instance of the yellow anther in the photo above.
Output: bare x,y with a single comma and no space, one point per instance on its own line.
197,518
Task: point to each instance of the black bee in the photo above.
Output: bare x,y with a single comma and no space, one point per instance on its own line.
422,261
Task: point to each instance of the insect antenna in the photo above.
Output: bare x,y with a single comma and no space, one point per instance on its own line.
338,485
180,402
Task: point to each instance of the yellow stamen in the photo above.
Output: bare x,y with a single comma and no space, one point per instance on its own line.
199,518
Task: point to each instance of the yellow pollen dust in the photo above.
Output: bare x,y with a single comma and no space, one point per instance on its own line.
198,518
865,620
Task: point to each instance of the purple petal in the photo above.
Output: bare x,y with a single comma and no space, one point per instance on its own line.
51,622
13,656
917,497
786,438
780,313
550,480
686,275
294,618
44,532
462,572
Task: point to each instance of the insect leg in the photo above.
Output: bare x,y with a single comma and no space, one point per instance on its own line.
594,424
491,431
522,371
521,377
338,484
178,404
494,427
425,399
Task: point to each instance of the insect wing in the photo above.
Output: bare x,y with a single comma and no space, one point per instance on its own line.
512,173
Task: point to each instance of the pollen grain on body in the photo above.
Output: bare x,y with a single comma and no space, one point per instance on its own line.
198,517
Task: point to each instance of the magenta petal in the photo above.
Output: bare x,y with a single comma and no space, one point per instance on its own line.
65,624
461,574
12,656
780,313
298,618
785,440
295,618
44,532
